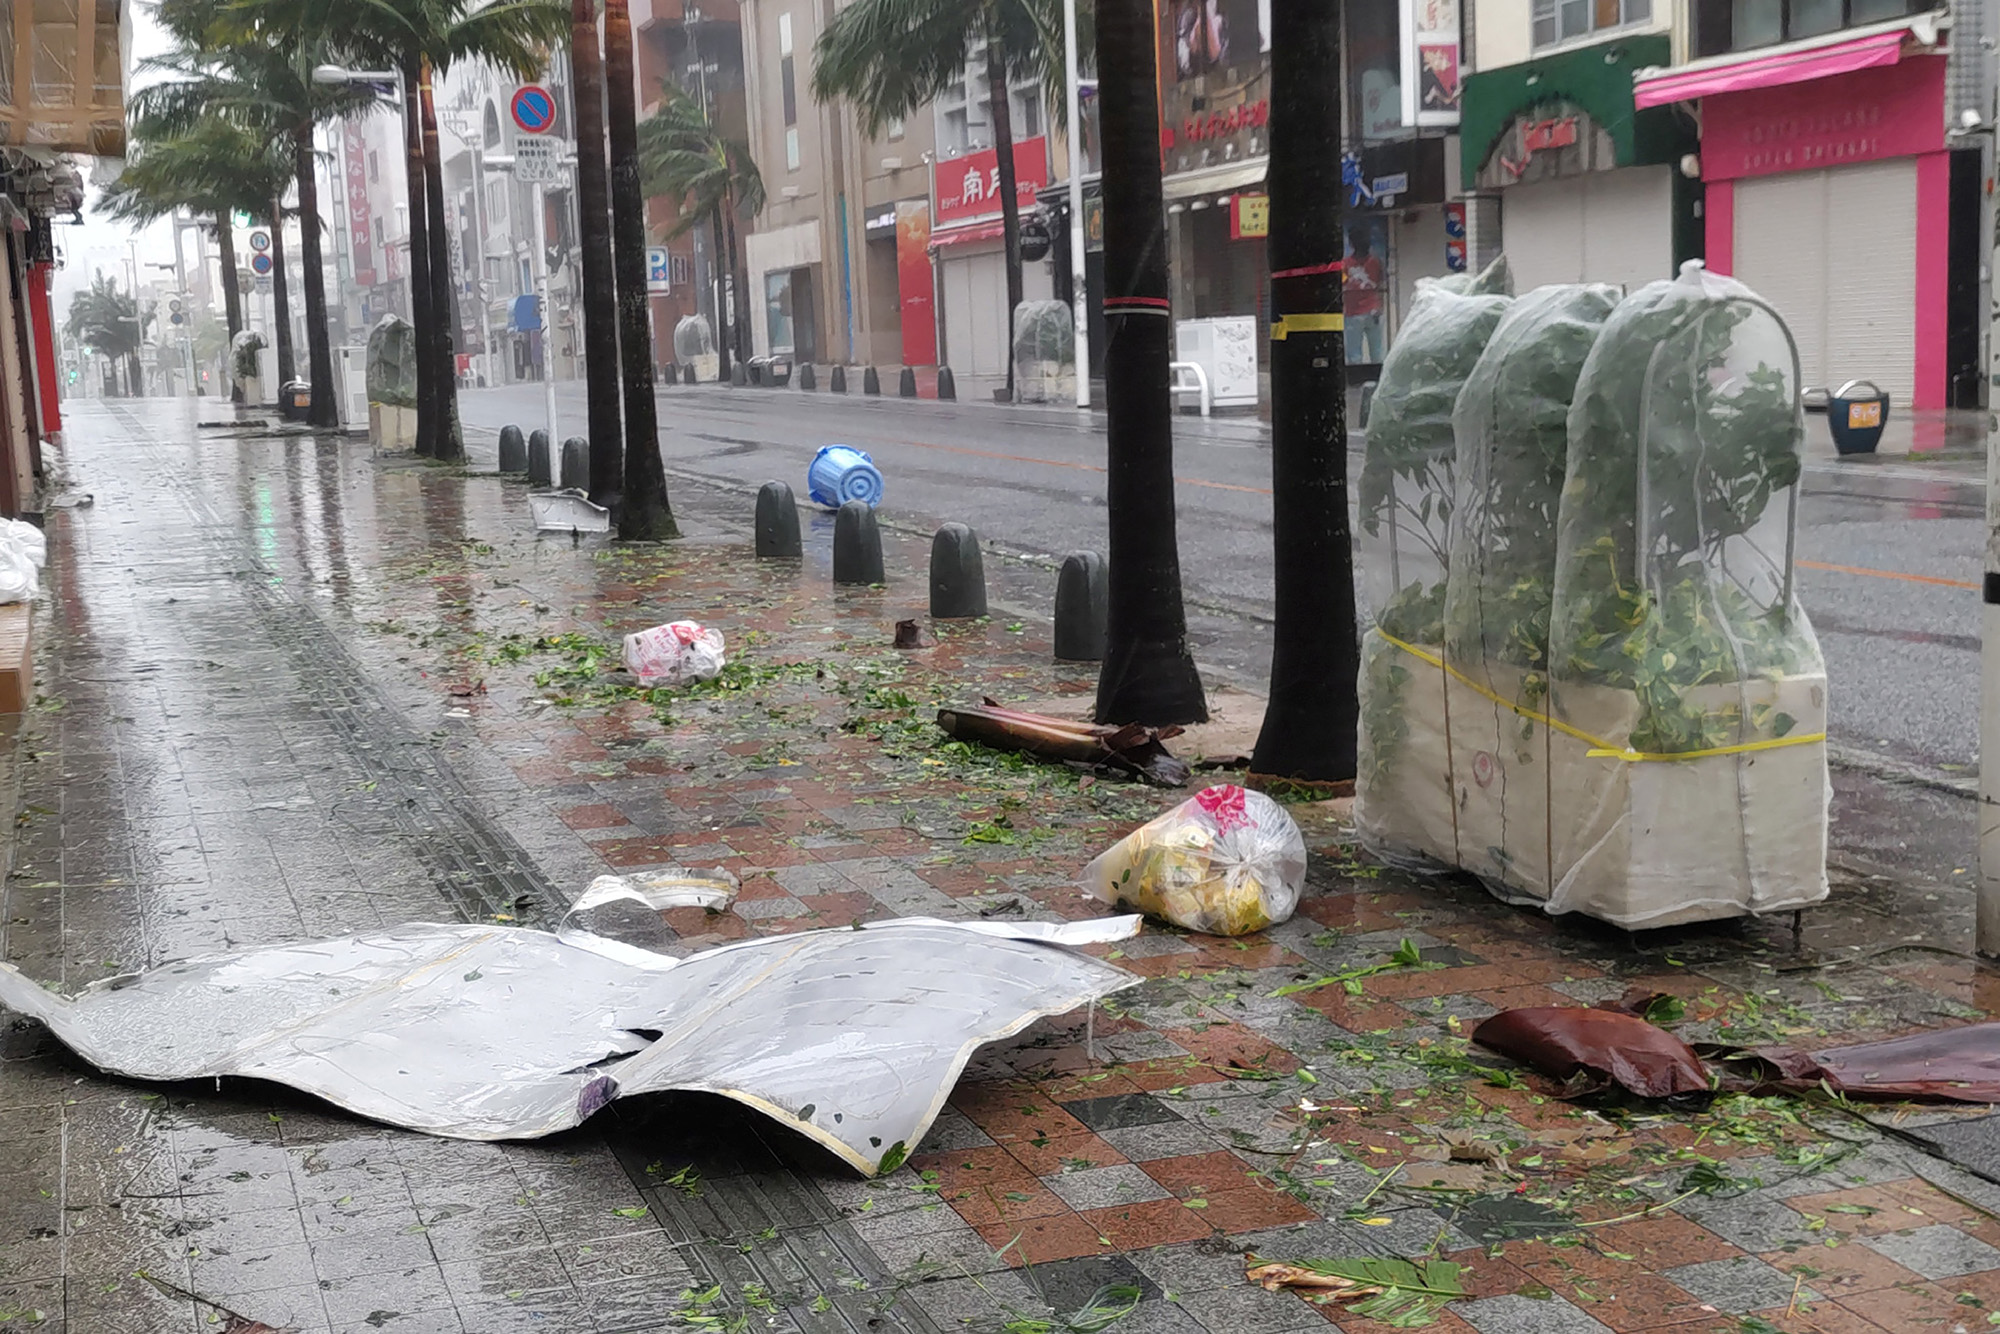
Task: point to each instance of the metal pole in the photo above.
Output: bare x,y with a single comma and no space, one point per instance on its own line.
187,310
1078,295
1988,914
479,283
542,296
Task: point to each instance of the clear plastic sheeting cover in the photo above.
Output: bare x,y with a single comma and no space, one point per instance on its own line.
1044,331
692,338
1512,430
1692,781
853,1038
392,363
1408,486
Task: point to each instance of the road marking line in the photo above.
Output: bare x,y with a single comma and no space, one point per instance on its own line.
1889,574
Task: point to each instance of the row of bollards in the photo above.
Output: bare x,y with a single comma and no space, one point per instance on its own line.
742,376
958,571
543,466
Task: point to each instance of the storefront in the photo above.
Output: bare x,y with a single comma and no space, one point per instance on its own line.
1590,185
1395,235
969,246
1829,191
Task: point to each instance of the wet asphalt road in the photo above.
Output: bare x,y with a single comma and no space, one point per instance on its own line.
1889,550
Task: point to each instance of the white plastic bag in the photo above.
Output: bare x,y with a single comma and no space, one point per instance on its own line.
18,576
674,654
1226,861
32,541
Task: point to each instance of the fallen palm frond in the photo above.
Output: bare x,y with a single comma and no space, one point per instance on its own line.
1134,748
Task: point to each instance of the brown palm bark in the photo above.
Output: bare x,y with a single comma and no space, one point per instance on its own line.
1309,723
450,438
1148,674
644,512
325,409
232,296
1010,205
420,260
281,297
593,211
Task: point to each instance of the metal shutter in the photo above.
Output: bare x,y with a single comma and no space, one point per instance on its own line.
1836,253
1604,227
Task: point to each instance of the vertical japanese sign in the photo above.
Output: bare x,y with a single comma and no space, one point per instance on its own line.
914,282
1430,62
360,222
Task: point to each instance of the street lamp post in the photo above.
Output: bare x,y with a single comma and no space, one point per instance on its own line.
1079,298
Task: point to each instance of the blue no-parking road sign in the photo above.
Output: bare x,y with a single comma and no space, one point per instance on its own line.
534,108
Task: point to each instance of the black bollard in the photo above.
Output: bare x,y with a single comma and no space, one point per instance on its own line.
576,463
857,545
871,383
906,384
513,450
687,374
738,376
837,382
807,379
777,522
958,576
947,385
541,466
1082,596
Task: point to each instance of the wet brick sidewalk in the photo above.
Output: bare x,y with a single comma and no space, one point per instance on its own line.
290,690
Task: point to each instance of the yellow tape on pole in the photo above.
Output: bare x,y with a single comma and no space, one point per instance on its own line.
1291,324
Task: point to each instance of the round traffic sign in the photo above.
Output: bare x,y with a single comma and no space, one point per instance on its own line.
534,108
260,264
260,241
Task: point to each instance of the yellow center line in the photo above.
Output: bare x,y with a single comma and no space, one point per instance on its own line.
1888,574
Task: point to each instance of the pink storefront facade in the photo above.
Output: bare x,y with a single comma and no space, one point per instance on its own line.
1888,112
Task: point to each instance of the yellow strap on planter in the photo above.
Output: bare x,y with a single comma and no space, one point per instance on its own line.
1600,749
1290,324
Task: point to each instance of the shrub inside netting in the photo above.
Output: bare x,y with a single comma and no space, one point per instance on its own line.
392,363
1044,331
692,339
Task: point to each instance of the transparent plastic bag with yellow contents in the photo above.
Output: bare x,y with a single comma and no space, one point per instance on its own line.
1226,861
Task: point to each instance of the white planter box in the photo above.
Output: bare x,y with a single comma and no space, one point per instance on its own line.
1403,784
391,427
1657,843
1500,782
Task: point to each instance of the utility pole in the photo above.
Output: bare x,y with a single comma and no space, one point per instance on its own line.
187,306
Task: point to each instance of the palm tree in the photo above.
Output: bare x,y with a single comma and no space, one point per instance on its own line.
644,512
1148,674
109,321
423,39
890,57
217,168
231,62
685,158
1309,722
593,190
593,211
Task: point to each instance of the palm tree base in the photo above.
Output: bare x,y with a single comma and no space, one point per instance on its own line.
647,523
1149,681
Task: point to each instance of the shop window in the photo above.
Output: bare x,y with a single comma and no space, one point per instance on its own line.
1566,20
1722,26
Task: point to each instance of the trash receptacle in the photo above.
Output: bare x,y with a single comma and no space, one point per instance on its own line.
295,400
777,372
1856,412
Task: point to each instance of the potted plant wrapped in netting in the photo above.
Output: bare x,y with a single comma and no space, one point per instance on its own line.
1688,773
1402,790
392,383
1044,350
1512,430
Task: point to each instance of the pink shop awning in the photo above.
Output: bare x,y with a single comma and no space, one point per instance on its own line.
1685,84
961,235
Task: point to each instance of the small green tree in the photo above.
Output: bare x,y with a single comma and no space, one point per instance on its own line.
109,321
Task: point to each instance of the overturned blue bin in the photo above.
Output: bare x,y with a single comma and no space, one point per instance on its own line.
840,473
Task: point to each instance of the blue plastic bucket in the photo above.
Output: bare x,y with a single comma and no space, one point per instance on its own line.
839,474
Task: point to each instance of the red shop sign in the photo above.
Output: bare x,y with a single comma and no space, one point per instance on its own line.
968,187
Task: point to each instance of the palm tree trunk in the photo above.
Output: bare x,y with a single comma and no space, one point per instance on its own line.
1148,674
739,328
450,438
720,258
1010,206
593,211
325,409
232,298
421,315
281,298
1308,732
645,514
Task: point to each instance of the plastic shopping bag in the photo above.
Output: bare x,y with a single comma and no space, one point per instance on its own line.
32,541
1226,861
674,654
